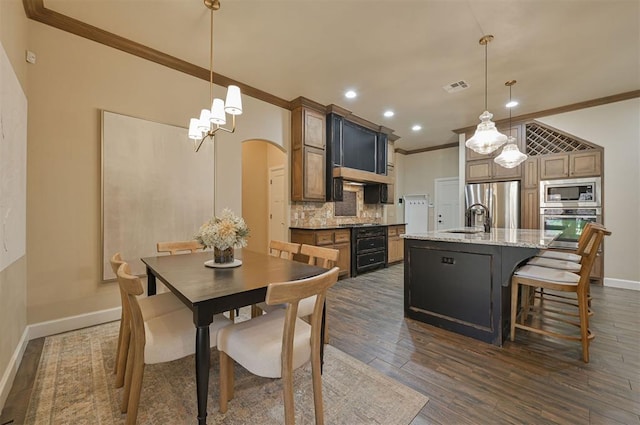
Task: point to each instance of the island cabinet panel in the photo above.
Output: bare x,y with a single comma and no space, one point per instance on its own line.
461,287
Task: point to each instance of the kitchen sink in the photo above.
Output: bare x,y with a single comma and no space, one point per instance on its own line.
469,231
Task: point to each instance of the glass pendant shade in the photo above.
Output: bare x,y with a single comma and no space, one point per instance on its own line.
233,104
510,156
486,138
194,132
218,116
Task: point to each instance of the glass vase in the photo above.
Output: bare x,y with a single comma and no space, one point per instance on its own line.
222,256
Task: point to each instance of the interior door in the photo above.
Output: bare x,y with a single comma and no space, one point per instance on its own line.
447,203
277,205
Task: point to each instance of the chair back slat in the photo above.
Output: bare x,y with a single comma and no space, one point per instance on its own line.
320,256
179,246
132,287
283,249
590,252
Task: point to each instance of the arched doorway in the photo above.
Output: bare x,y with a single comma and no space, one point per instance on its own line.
264,192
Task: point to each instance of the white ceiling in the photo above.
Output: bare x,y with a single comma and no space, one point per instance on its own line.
397,54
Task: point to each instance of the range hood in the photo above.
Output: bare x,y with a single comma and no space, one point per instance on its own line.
354,175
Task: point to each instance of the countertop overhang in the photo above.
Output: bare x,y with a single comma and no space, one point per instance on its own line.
345,226
525,238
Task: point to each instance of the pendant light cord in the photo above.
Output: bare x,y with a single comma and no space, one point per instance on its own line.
211,61
485,76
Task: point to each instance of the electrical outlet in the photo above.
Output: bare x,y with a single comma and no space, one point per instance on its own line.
30,57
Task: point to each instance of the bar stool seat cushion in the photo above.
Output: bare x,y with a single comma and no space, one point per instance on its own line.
554,264
545,273
558,255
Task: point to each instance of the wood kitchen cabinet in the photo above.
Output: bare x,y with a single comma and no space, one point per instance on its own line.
572,164
308,165
339,239
530,198
395,244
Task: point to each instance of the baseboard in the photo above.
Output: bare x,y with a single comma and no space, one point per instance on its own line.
12,368
66,324
621,283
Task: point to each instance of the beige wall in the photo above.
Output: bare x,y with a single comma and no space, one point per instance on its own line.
13,279
418,172
73,79
616,127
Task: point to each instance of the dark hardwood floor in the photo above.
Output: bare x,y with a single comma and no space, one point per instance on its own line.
534,380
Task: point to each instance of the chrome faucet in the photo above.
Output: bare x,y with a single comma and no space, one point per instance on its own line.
487,219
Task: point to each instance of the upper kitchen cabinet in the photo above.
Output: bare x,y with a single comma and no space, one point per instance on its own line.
308,151
357,150
482,168
573,164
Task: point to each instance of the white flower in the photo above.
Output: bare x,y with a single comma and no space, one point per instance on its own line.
226,231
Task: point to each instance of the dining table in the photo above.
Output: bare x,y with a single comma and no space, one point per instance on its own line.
211,290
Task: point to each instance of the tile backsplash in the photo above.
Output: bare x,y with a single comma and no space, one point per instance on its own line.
322,214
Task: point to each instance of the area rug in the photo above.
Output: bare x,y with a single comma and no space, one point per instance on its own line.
75,385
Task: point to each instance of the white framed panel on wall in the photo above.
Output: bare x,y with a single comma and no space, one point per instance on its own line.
13,165
155,188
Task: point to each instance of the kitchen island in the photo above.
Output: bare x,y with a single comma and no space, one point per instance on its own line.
460,279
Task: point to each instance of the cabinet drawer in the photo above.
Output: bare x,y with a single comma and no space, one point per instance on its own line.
324,238
370,244
342,236
372,259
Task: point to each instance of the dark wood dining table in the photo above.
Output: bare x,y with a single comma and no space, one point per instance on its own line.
209,291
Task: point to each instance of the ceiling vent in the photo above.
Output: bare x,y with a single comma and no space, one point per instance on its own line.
456,87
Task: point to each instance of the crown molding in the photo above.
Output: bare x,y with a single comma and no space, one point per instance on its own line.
36,10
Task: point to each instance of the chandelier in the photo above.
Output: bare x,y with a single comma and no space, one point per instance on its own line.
212,120
486,138
510,156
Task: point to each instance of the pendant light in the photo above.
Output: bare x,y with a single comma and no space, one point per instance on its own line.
510,156
211,120
486,138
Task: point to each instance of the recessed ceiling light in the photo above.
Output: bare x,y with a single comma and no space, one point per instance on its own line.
389,114
512,104
416,127
350,94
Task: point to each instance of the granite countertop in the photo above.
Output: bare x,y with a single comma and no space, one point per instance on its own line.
525,238
344,226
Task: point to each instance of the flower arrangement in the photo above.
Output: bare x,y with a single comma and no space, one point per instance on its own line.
223,232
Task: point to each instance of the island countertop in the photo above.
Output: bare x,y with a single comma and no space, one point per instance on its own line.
525,238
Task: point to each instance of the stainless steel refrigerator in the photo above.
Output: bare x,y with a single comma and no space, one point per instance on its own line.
502,199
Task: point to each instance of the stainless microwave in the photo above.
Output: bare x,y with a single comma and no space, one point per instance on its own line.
584,192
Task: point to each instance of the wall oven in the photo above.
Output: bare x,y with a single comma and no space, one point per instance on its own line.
571,193
571,221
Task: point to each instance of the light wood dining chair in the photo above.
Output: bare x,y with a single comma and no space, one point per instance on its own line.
275,344
179,246
156,305
280,249
157,339
317,256
538,318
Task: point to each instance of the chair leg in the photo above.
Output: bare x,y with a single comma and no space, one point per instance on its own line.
255,311
136,389
316,373
289,409
127,378
226,381
584,324
514,308
120,336
122,353
526,302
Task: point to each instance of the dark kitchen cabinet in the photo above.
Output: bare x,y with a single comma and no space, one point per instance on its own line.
378,194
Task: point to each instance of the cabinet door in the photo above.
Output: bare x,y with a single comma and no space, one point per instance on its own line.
479,170
530,210
313,174
554,166
585,164
314,129
344,260
499,172
530,167
391,153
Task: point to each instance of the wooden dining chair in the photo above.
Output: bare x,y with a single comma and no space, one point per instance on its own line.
317,256
179,246
537,318
280,249
275,344
157,339
156,305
